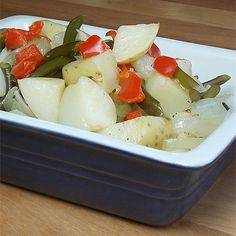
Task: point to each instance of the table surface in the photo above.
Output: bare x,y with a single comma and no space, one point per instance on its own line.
206,22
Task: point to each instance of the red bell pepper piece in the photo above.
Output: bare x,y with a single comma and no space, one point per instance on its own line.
124,71
26,61
165,65
93,46
16,38
133,114
131,89
111,33
36,27
154,51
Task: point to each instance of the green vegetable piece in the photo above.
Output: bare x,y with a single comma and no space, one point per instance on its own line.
185,80
225,106
71,32
211,92
50,67
219,80
150,105
67,50
2,40
194,95
9,80
110,43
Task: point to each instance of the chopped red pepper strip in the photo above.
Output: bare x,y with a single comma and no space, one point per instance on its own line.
26,61
36,27
154,51
93,46
131,89
133,115
124,71
111,33
16,38
165,65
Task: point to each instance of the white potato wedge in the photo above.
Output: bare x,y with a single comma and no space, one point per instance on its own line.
51,28
87,106
43,96
101,68
133,41
149,131
172,97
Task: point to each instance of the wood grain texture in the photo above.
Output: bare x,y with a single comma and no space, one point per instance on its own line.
207,22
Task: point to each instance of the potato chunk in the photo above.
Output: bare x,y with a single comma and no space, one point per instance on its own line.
101,68
43,96
87,106
133,41
149,131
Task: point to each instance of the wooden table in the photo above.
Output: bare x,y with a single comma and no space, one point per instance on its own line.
208,22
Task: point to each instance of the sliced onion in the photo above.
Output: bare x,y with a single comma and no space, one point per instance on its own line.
3,86
57,39
181,144
15,101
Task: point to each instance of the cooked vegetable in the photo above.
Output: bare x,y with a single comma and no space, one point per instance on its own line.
26,61
121,87
133,41
186,80
50,28
2,40
6,81
16,38
150,105
184,143
51,66
149,131
101,68
87,106
133,115
66,50
15,101
71,30
93,46
43,96
144,66
154,51
111,33
131,89
165,65
219,80
172,97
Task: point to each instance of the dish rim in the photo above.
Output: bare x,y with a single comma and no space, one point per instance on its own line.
189,159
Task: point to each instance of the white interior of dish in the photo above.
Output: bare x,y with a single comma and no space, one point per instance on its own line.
207,61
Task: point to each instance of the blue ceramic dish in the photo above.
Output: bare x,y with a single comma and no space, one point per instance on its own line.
128,180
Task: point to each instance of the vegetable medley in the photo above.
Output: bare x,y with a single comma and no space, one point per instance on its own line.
121,86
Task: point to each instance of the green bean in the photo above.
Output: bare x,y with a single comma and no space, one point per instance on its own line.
2,40
225,106
9,79
219,80
194,95
110,43
67,50
150,105
185,80
49,67
211,92
71,32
